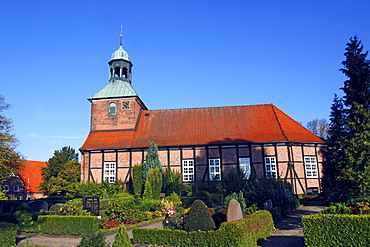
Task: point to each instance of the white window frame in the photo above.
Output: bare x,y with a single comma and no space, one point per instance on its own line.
188,170
6,188
310,167
109,172
245,166
271,167
214,166
15,188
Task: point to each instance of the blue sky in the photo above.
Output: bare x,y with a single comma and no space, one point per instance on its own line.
54,55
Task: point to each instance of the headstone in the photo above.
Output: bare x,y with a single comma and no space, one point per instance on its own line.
234,211
91,204
267,205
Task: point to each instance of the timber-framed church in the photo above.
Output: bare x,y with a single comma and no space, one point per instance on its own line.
202,143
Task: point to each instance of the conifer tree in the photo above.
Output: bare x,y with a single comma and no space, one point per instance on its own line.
199,218
151,160
122,238
347,169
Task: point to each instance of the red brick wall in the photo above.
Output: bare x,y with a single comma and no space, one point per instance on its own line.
124,119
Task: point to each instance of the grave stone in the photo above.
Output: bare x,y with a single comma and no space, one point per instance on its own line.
267,205
234,211
91,204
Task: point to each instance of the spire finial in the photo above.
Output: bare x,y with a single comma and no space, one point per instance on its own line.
120,36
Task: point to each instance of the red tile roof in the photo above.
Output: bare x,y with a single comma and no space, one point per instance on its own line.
201,126
31,175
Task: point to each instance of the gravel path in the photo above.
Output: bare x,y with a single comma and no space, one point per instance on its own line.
289,230
288,233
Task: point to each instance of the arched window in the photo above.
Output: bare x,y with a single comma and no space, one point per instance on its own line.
112,109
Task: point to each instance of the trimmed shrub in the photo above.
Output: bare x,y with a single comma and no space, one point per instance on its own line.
199,218
241,233
336,230
93,239
8,234
336,208
137,173
122,239
67,225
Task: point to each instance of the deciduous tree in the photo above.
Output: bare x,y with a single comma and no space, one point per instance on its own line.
319,127
10,160
62,173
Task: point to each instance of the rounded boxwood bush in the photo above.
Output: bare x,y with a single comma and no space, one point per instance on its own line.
199,218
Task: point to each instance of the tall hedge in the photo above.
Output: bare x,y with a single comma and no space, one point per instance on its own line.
336,230
199,218
8,234
67,225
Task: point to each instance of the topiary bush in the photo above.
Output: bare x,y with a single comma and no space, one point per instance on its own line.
122,239
199,218
8,234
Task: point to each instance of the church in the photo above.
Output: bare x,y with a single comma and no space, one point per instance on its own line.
201,143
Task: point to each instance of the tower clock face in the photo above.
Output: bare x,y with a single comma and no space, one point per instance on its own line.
125,105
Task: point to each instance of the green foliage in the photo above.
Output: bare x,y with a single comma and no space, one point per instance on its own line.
103,190
173,181
284,198
62,174
10,160
93,239
233,181
336,208
23,215
3,195
72,208
239,197
138,181
67,225
239,233
280,192
336,230
151,160
122,239
347,167
8,234
153,184
199,218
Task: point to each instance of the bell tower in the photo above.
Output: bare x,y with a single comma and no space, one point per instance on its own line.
120,65
117,106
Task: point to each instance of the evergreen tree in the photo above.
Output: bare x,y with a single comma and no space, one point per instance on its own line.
10,160
347,169
153,184
151,160
138,182
199,218
62,172
122,238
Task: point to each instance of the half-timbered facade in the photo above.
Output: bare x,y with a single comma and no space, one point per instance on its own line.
202,143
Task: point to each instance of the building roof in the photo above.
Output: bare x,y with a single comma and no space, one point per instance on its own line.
205,126
115,89
120,53
31,175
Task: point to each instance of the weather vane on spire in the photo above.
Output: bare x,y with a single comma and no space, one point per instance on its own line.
120,36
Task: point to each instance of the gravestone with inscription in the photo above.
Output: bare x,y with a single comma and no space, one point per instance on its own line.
91,204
